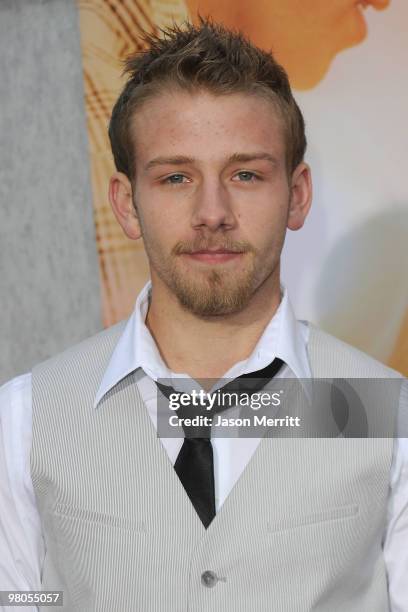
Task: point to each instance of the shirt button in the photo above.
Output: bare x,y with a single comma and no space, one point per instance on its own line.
209,579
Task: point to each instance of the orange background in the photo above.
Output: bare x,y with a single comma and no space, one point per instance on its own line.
110,31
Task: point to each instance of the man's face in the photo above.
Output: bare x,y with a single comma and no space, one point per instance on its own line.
212,196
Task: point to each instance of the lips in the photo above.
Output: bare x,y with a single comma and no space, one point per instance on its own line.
214,256
215,251
379,5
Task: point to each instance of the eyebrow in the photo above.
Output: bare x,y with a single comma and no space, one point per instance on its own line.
235,157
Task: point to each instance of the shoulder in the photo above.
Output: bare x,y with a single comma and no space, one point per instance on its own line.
331,357
15,386
92,350
15,405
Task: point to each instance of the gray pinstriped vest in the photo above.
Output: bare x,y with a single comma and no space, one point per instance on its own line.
300,531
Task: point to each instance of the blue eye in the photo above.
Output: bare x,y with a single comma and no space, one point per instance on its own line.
175,179
246,176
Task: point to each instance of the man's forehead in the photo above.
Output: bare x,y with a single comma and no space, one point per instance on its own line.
198,109
201,128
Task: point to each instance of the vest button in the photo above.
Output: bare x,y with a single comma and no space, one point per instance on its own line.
209,579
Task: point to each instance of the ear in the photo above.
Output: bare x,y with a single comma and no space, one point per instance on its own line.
300,196
120,197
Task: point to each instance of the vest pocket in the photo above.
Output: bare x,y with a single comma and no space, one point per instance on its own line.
320,516
101,518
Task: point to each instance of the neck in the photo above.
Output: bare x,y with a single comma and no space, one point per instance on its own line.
209,347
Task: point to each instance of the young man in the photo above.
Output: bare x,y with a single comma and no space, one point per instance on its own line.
208,144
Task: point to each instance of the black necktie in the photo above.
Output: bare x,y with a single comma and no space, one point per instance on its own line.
194,464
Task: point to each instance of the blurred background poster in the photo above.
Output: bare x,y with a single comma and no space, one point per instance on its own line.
347,269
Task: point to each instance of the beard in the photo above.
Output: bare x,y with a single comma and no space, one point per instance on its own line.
212,293
211,290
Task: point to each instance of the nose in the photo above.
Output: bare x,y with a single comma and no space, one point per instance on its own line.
379,5
213,207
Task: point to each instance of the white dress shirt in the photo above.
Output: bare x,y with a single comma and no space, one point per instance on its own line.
21,542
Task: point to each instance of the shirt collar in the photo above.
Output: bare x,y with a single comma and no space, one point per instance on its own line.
283,337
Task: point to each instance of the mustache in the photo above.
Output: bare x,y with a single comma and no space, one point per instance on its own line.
192,246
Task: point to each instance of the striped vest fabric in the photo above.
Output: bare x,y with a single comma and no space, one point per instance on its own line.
300,531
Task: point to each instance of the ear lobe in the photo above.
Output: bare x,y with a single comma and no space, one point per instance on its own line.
301,196
121,200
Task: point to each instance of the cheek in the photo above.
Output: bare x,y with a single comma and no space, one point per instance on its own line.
263,221
270,237
162,230
155,217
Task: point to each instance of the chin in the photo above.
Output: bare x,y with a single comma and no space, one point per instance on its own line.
213,309
206,301
354,31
